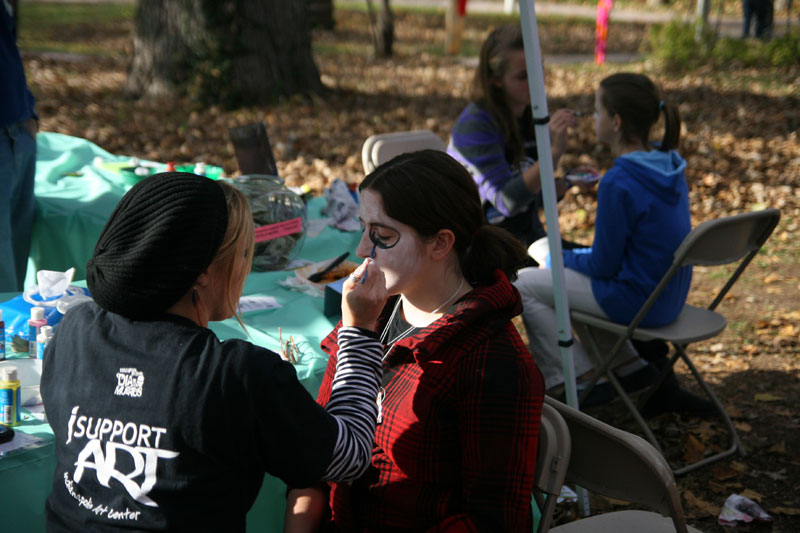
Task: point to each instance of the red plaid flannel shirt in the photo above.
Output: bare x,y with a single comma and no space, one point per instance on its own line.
456,450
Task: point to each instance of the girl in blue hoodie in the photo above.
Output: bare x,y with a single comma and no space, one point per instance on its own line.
642,217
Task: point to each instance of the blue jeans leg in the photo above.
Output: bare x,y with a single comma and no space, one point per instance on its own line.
17,173
748,8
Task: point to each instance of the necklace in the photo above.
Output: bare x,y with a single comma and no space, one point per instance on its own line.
382,392
405,333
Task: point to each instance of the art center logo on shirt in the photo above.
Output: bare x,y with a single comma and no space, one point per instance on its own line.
129,382
111,443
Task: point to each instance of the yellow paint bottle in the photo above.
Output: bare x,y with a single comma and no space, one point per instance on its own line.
9,396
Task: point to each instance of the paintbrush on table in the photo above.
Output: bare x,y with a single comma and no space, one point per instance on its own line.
317,276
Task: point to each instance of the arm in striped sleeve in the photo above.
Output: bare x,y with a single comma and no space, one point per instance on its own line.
352,402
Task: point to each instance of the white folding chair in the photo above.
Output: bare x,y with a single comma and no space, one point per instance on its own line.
552,459
722,241
382,147
621,465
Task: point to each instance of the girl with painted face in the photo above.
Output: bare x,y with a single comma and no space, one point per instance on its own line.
642,218
460,403
494,137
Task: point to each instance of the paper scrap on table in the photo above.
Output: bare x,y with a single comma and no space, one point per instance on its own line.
257,303
20,440
298,263
301,284
567,495
737,509
36,410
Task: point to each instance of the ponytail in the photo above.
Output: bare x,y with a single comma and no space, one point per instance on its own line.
672,127
637,100
492,248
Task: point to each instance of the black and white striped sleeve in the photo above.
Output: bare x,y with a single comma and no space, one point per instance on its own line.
352,403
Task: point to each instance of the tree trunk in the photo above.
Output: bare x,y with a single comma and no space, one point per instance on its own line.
453,26
227,52
383,30
320,14
701,22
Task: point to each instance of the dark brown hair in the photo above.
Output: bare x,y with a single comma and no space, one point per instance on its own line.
485,92
430,191
637,101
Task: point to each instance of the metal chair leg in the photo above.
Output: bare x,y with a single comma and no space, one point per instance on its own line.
734,436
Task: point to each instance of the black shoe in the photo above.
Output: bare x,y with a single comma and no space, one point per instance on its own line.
638,380
601,393
651,351
671,398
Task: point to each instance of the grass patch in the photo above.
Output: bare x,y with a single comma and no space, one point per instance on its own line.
677,46
65,27
43,16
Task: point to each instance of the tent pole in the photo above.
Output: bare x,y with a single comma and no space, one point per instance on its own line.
541,120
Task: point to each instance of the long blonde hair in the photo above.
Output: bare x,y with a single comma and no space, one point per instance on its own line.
237,242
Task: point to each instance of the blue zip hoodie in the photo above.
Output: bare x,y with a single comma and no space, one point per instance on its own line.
642,218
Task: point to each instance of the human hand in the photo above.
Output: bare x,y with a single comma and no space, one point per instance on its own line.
363,300
560,122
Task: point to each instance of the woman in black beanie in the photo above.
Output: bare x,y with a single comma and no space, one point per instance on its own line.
159,425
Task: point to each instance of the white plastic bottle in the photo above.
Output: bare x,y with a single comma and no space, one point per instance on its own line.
42,339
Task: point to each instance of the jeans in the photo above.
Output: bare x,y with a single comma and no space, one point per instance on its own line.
17,173
762,11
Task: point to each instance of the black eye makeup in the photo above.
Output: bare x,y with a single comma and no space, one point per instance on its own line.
382,237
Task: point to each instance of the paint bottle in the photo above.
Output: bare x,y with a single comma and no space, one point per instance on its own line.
200,169
42,339
170,166
2,337
9,396
35,324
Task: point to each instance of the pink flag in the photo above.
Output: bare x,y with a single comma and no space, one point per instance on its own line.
601,30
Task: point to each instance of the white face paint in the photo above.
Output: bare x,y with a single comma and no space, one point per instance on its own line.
400,264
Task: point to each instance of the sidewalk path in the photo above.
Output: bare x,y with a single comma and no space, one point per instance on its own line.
728,25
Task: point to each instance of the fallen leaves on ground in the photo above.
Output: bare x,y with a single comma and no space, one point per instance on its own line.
739,136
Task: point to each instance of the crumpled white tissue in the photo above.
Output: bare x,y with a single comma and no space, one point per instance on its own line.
52,283
54,290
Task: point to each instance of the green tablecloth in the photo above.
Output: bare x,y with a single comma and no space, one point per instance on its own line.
70,214
70,210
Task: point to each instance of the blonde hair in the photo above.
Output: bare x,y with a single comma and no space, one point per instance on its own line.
238,242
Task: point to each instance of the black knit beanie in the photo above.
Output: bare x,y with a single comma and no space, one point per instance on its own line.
162,235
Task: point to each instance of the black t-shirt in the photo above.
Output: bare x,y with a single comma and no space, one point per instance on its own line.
160,426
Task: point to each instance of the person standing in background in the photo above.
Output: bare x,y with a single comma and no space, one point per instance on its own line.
18,127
